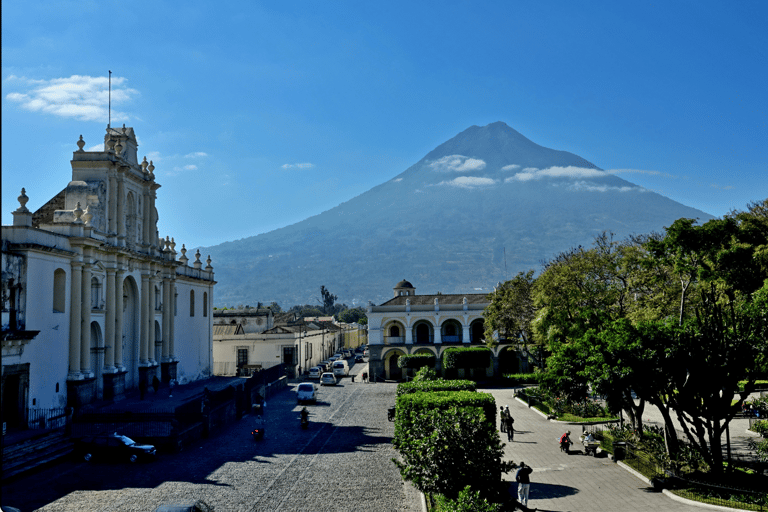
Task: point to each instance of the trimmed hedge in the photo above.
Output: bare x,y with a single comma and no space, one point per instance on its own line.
435,385
467,357
410,405
416,361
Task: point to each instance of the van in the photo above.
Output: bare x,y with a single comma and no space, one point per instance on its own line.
340,368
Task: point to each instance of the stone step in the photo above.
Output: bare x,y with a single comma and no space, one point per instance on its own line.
32,453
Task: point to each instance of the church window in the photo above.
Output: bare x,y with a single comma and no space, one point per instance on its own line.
157,298
192,303
95,293
205,303
59,290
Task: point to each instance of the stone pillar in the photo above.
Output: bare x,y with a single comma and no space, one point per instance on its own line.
112,208
76,286
465,334
109,322
120,217
119,307
151,319
144,322
145,238
172,337
85,314
167,316
409,335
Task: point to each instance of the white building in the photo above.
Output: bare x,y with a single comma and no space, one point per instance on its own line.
299,346
94,301
411,324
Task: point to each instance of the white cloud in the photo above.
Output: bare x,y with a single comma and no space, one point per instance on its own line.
639,171
570,172
510,167
397,179
469,182
582,186
305,165
84,98
457,163
181,169
196,154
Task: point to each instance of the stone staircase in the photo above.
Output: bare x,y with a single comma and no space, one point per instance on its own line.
35,450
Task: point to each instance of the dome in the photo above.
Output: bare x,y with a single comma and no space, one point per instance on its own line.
403,284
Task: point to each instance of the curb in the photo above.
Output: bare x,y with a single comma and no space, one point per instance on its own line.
674,496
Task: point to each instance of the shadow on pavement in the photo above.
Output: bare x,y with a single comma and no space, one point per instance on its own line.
550,491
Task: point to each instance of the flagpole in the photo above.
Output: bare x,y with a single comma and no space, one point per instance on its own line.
109,122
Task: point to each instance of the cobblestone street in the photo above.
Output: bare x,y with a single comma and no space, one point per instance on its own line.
341,461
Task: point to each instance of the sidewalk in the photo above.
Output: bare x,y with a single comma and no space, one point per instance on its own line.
562,482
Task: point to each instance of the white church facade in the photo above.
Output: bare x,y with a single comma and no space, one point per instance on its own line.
94,301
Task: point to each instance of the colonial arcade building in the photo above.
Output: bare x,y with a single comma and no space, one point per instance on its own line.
412,324
95,302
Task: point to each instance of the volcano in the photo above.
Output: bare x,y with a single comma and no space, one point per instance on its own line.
476,210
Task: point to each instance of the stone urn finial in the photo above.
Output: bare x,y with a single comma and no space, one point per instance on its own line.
151,168
110,145
78,213
23,201
118,148
87,215
197,263
183,258
208,267
144,164
80,144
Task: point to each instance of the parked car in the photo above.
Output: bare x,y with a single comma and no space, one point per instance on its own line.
348,354
340,368
366,353
327,379
334,358
114,447
359,358
306,392
325,365
315,372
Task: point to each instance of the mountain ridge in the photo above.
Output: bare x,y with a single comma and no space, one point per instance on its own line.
444,224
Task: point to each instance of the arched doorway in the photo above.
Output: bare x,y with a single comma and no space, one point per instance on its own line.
508,361
451,332
394,333
131,332
394,372
97,358
422,333
158,342
477,331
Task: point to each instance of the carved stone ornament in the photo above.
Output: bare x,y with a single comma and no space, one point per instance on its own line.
23,199
80,144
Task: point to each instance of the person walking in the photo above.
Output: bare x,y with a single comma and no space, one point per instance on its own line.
503,419
523,483
510,424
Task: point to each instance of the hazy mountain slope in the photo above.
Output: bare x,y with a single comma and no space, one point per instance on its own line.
444,225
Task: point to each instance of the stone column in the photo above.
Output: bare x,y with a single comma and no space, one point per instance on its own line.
145,313
167,316
151,322
109,322
112,208
145,238
119,307
409,335
171,338
76,286
85,314
465,334
120,217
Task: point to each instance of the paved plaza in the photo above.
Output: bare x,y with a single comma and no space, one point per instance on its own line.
562,482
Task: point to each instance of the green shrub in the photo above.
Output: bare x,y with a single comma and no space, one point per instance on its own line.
444,448
523,378
416,361
410,405
466,357
435,385
425,374
759,384
761,427
467,501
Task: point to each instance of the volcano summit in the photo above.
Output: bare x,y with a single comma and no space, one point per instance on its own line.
474,211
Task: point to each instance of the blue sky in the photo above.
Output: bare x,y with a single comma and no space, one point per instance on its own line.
260,114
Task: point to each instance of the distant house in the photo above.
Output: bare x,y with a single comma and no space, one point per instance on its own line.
412,324
252,320
95,302
298,345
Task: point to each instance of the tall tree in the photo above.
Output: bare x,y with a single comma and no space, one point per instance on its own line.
511,311
327,300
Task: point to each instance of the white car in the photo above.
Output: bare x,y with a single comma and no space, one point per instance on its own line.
340,368
306,392
327,379
314,372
